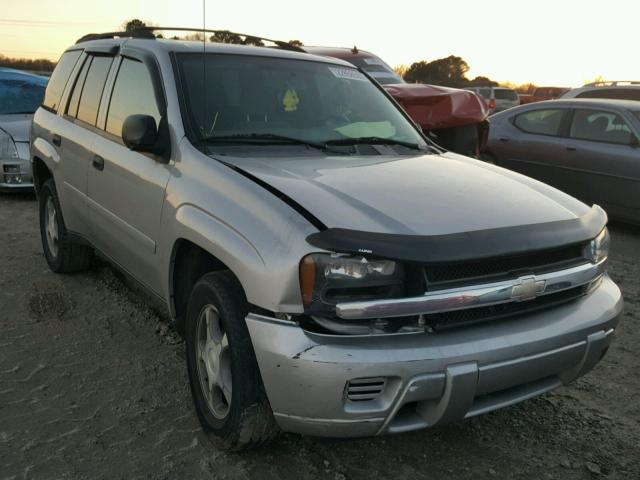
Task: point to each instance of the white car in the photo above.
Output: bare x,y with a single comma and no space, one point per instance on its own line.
497,98
20,95
615,90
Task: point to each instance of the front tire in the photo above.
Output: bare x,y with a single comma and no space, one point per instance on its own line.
62,254
224,377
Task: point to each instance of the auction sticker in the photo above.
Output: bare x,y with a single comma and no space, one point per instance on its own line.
348,73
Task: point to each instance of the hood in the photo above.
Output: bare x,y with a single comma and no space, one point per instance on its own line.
434,107
415,195
17,126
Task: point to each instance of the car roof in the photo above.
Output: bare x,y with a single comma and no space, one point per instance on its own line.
589,102
159,45
342,51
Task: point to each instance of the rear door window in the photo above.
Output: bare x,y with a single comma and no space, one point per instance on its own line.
600,126
541,122
92,89
59,79
72,108
485,92
133,94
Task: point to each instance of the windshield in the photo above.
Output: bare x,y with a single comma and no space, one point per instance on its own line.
20,93
239,96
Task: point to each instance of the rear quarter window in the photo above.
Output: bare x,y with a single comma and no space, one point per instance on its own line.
540,122
59,79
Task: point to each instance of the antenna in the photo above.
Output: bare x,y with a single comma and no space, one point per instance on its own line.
204,68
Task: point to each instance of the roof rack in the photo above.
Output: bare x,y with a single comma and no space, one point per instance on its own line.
613,83
147,32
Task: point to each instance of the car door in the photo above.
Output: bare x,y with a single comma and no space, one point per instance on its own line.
604,161
531,143
77,136
126,188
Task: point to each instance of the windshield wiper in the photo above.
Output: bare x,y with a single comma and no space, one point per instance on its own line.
261,137
373,141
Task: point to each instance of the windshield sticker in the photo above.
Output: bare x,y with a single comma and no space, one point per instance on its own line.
290,100
373,61
348,73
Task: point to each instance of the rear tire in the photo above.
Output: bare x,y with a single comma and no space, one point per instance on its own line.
62,254
224,376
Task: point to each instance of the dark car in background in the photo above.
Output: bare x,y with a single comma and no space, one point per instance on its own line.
588,148
456,119
20,96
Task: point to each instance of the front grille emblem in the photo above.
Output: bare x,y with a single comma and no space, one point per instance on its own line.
527,288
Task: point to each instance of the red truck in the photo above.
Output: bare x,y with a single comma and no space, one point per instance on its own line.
455,119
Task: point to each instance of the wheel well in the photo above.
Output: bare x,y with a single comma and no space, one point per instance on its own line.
41,173
190,262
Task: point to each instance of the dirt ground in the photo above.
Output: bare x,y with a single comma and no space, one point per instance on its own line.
93,384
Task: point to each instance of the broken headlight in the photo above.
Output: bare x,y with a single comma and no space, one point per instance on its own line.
598,248
328,279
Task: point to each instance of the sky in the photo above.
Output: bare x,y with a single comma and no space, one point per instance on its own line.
547,42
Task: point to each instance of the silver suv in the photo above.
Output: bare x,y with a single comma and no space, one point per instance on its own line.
333,273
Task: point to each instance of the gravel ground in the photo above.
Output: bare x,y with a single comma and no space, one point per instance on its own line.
93,385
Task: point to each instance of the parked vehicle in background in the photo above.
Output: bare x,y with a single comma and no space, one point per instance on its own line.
20,95
590,148
525,98
452,117
540,94
618,90
333,272
497,98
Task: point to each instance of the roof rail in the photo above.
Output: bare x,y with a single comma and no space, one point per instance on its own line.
612,83
147,32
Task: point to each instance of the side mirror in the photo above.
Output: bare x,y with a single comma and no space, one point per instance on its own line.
635,143
140,133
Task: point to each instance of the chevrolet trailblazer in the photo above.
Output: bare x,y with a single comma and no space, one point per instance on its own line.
332,271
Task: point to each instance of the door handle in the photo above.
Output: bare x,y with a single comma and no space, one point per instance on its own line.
56,139
98,162
503,139
571,149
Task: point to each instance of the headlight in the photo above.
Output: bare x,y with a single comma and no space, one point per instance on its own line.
598,249
7,147
326,280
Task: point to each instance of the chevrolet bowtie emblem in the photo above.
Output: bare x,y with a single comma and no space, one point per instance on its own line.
527,288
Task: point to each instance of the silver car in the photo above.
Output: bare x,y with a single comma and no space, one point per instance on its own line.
588,148
333,273
20,95
497,98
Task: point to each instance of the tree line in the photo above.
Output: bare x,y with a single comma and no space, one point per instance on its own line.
33,65
452,72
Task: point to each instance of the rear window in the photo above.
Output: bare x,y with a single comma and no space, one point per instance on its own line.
485,93
613,93
540,122
505,94
59,79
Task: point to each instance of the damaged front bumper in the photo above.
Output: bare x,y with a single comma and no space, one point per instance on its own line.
348,386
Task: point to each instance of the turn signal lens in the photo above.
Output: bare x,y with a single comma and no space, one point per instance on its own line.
307,279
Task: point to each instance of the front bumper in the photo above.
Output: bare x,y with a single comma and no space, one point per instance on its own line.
427,379
16,173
